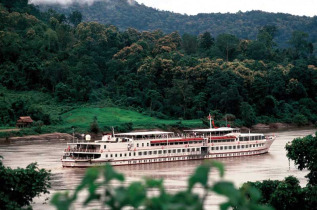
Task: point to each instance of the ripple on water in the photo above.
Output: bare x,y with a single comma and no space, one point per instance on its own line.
273,165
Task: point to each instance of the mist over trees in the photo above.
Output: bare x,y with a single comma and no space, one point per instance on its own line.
244,25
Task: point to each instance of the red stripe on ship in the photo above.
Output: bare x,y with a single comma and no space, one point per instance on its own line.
176,140
193,139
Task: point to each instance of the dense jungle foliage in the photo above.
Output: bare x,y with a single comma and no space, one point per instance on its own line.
19,186
166,75
288,193
129,14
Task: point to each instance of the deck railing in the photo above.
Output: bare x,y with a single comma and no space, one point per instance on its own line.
82,150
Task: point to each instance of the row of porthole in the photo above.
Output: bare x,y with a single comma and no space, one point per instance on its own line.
160,160
238,154
155,152
236,147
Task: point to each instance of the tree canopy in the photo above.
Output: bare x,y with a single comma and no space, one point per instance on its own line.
168,75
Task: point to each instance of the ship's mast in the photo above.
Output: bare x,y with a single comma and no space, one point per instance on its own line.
112,132
209,117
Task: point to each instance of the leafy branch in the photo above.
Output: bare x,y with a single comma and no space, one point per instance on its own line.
98,183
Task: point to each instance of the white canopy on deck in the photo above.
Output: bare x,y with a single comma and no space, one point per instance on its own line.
213,129
143,133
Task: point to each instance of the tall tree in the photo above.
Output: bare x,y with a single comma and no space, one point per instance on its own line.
206,41
300,44
247,114
227,43
189,43
75,18
304,152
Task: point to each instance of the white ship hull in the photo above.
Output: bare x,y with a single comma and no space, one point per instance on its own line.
172,153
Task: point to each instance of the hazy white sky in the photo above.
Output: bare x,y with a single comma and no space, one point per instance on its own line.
192,7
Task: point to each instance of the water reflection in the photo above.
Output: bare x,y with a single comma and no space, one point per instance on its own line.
273,165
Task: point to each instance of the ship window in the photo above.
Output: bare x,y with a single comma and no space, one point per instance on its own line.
134,154
147,144
154,152
234,147
106,156
137,145
198,149
174,150
115,155
160,151
142,144
246,146
140,153
221,148
242,146
190,142
179,150
226,147
150,152
169,151
164,151
188,150
144,153
217,148
111,155
238,146
212,148
104,146
193,149
120,155
230,147
130,154
184,150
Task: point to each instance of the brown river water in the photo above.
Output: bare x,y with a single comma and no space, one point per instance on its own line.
273,165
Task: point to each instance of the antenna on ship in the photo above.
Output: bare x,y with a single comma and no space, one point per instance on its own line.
112,131
209,118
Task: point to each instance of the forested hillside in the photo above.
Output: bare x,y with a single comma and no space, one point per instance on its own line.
243,25
165,75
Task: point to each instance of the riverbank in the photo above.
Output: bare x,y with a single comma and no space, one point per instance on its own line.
47,136
273,127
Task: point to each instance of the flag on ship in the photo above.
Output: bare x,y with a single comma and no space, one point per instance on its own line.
209,117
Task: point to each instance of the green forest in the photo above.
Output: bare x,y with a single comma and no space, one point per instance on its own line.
67,63
245,25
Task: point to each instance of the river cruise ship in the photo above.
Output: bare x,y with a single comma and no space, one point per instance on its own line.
159,146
